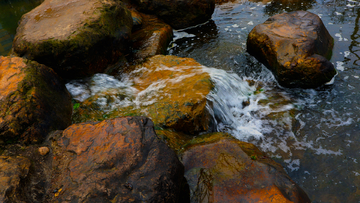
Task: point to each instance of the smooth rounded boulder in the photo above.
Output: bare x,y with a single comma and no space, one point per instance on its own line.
296,47
33,101
179,14
116,160
74,37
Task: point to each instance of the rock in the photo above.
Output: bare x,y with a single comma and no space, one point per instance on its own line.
74,37
13,171
136,16
227,170
152,38
296,47
179,14
117,160
33,101
43,151
160,91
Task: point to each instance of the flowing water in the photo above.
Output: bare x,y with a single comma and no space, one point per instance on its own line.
313,133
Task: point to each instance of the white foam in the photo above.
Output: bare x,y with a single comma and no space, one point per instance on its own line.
340,65
293,165
339,36
180,35
346,53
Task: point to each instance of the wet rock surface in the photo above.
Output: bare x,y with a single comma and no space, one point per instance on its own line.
33,101
74,37
221,169
296,47
170,90
179,14
117,160
13,171
152,38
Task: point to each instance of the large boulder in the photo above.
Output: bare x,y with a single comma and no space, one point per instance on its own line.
172,91
33,101
13,171
179,14
117,160
74,37
296,47
219,168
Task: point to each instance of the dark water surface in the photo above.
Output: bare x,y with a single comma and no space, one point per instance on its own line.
313,133
10,13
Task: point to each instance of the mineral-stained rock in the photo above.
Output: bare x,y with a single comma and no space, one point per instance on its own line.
152,38
13,170
179,14
74,37
170,90
117,160
296,47
33,101
222,169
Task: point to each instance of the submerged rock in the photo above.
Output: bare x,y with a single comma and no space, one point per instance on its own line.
74,37
296,47
13,171
222,169
170,90
179,14
118,160
33,101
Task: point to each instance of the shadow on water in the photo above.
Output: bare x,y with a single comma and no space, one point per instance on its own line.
10,13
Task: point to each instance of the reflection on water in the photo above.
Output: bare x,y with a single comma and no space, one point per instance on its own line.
10,13
355,43
312,133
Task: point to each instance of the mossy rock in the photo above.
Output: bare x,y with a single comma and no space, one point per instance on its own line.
170,90
75,38
222,169
33,101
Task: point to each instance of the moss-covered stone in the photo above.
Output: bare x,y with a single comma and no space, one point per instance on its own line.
75,38
33,101
170,90
221,169
13,171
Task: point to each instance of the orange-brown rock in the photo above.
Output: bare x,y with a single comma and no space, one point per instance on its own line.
296,47
74,37
179,14
152,38
117,160
33,101
170,90
228,170
13,171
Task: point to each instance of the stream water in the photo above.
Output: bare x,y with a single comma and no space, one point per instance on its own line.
313,133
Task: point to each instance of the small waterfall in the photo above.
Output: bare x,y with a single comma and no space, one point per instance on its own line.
240,105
